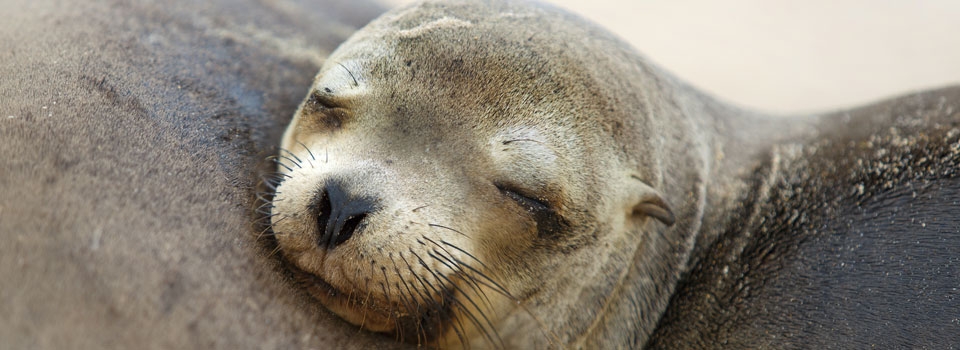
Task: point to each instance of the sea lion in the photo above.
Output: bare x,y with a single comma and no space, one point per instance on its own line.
505,174
454,165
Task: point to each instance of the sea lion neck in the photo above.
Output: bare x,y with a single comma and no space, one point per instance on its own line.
713,159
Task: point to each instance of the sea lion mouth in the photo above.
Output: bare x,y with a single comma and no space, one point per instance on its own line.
412,321
356,309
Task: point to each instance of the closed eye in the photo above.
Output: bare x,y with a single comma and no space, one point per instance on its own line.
550,224
326,110
319,100
527,202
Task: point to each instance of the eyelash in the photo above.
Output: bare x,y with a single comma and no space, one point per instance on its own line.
528,202
329,112
549,223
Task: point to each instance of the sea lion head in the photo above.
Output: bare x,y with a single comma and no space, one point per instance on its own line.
465,172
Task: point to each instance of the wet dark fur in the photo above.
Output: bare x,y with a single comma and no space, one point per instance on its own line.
856,245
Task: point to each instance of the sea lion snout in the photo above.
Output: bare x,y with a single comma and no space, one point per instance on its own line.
340,213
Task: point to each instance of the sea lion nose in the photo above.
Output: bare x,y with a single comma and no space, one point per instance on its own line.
340,214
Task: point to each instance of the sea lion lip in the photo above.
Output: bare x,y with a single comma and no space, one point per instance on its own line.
318,281
368,314
377,316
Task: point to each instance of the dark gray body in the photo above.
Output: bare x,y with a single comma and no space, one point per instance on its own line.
851,242
131,140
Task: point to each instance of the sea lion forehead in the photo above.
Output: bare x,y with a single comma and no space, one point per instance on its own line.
494,27
428,16
461,50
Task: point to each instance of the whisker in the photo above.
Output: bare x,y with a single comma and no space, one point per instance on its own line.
291,154
487,281
551,336
402,299
274,252
420,331
272,179
499,288
277,160
444,227
435,305
448,257
265,212
520,140
409,298
269,184
465,253
385,289
265,197
466,311
308,150
425,298
430,302
445,258
291,160
265,221
471,281
281,219
264,232
459,328
266,205
355,83
366,301
275,174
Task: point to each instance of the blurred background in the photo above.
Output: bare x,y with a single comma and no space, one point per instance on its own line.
790,56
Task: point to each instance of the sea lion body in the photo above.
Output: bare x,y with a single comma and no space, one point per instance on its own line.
132,138
504,174
848,241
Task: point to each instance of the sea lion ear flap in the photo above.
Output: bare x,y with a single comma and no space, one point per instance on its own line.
648,202
656,208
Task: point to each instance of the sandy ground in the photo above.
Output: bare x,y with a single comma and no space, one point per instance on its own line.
791,56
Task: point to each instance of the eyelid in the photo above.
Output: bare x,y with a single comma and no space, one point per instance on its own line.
531,202
549,223
326,110
320,100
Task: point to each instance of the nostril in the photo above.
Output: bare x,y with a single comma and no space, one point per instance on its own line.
340,214
348,228
324,209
